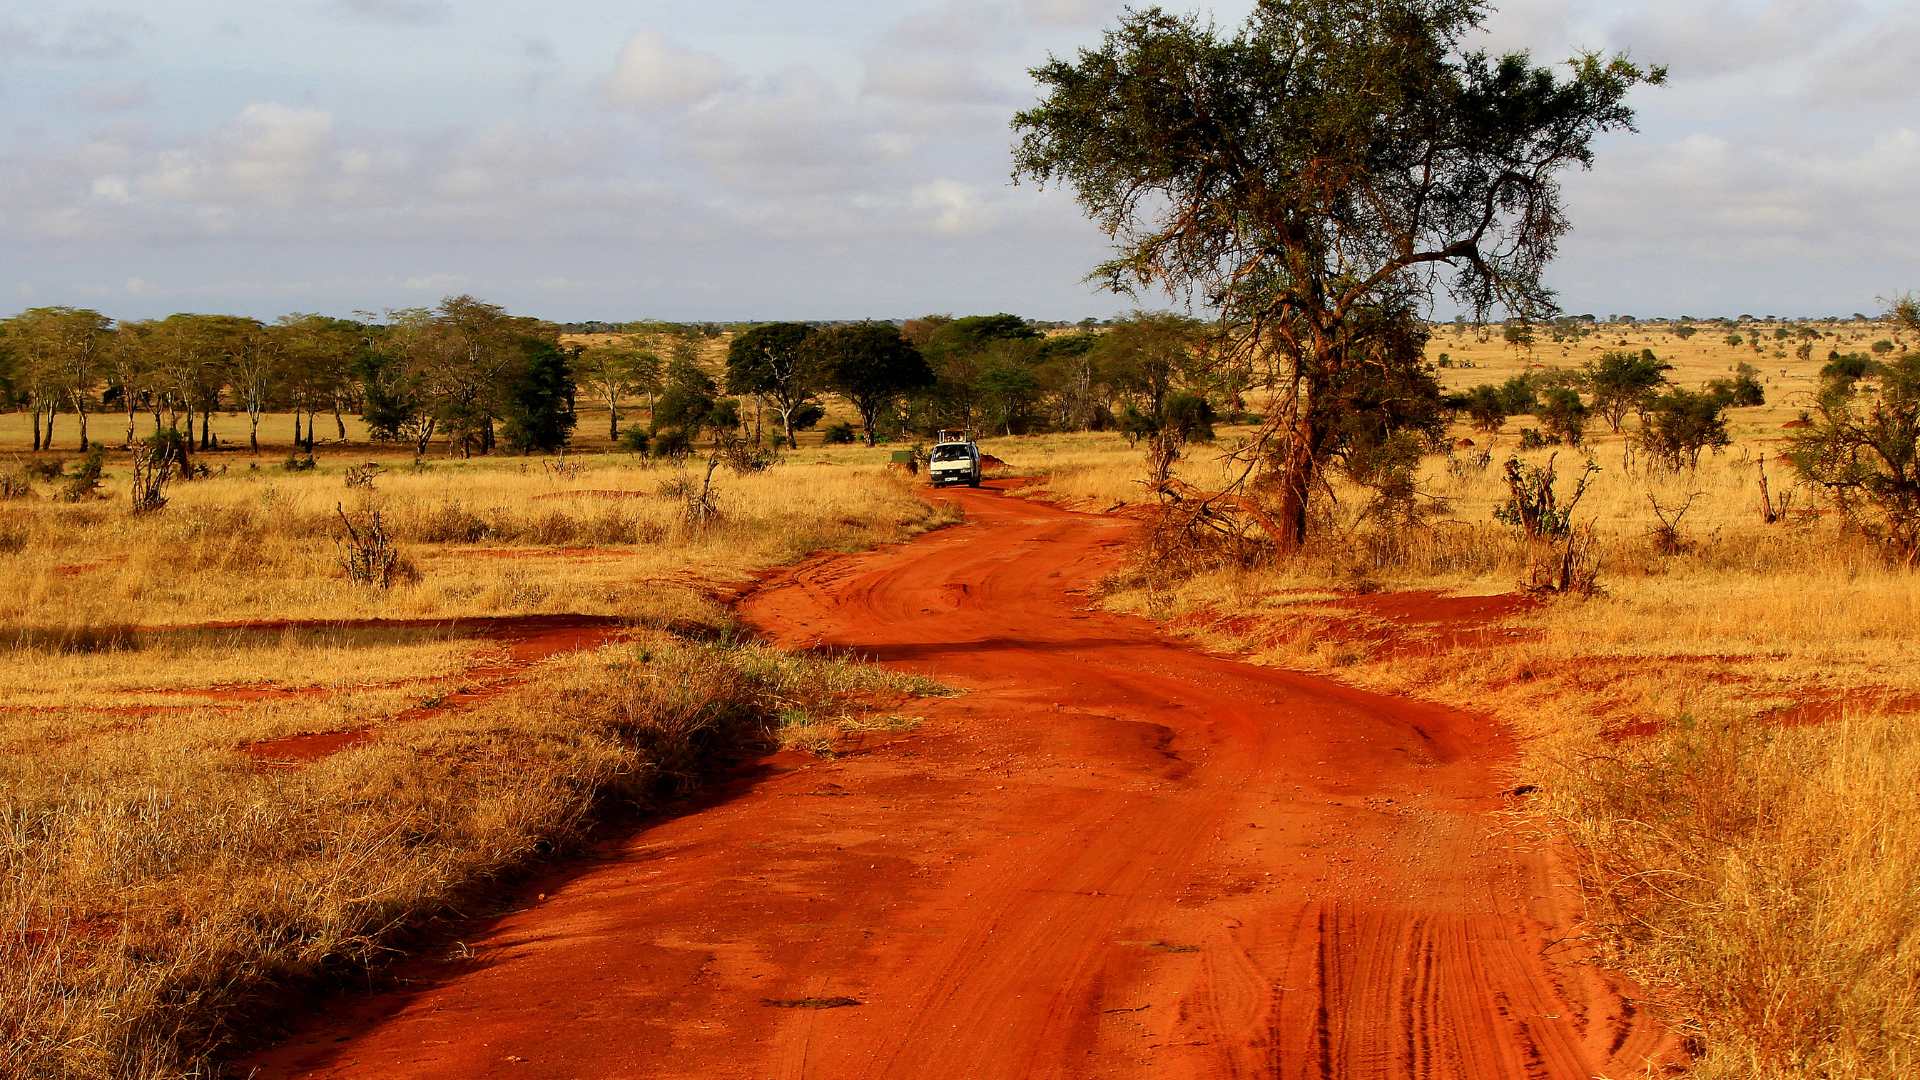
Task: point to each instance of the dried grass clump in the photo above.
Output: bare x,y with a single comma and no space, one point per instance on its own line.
1761,880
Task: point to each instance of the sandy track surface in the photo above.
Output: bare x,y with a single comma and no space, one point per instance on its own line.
1114,857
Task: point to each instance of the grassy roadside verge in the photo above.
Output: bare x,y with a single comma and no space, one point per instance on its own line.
145,921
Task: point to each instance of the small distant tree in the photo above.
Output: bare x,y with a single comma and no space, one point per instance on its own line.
1882,347
1517,395
1622,383
257,366
612,370
772,362
1485,408
1677,425
1009,391
873,366
1842,371
1863,449
1743,391
1519,335
1146,355
1190,417
1564,415
1903,311
59,355
959,351
539,407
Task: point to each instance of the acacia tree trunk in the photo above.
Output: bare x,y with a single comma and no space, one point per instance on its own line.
339,421
1296,486
206,429
253,430
79,399
36,426
613,417
296,427
51,411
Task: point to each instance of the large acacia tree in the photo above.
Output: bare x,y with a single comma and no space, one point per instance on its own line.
1318,178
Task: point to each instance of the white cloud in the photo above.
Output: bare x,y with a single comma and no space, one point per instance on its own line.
270,153
653,73
274,150
957,208
113,189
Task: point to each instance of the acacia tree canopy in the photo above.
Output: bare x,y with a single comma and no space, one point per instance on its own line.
873,365
1329,158
771,361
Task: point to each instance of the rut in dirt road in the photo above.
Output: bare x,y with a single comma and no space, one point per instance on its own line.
1114,857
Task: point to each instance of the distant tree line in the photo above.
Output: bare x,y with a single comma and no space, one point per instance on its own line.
464,371
467,375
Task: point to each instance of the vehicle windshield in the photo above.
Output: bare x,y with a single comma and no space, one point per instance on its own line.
950,452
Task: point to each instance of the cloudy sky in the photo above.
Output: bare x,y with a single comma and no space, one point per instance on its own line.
717,159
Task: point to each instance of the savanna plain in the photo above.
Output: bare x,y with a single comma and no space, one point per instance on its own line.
233,775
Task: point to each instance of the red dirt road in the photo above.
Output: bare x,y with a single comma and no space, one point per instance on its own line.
1115,857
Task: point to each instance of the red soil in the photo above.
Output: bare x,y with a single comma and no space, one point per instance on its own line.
596,493
529,639
297,750
544,553
1114,857
76,569
1386,625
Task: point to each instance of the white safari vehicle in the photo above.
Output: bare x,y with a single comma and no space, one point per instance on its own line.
955,459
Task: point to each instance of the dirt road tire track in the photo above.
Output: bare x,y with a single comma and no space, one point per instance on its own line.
1114,857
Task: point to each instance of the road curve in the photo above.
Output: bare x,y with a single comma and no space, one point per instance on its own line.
1113,857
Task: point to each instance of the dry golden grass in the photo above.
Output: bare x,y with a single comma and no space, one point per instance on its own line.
160,884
